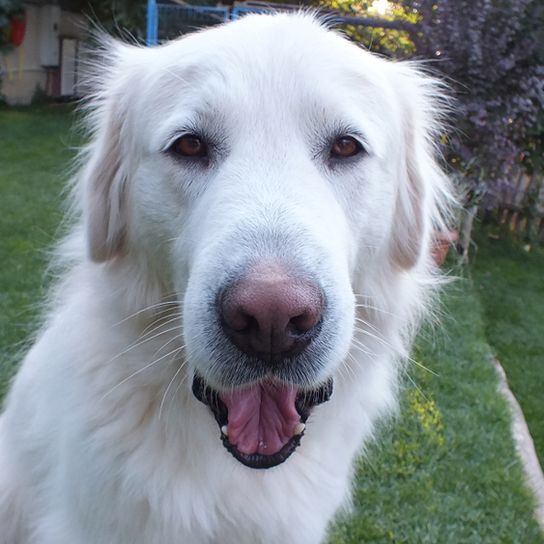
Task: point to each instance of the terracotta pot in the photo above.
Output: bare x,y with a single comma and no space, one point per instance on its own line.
442,241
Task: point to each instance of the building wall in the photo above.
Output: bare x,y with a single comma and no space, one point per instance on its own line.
22,70
35,64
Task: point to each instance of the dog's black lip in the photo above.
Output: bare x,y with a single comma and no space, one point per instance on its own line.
205,394
257,460
304,403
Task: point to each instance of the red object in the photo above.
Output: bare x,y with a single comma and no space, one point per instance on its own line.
17,29
442,241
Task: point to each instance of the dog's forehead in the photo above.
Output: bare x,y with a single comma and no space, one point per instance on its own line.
276,50
285,65
264,37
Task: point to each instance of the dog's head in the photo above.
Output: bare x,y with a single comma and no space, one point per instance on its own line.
259,170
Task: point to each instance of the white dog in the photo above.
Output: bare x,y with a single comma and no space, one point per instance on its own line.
250,260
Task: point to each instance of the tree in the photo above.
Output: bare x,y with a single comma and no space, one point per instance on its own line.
492,54
396,42
124,18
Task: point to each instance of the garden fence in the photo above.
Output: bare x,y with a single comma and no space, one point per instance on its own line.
522,207
168,21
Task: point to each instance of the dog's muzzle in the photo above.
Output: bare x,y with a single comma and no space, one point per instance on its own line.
270,317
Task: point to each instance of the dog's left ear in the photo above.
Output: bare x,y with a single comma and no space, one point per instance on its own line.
420,177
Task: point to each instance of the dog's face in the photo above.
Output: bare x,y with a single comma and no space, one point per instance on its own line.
259,170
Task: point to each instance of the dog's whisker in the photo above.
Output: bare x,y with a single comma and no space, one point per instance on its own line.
368,324
380,340
403,355
183,380
139,371
173,339
157,324
362,350
422,366
147,309
139,343
181,366
351,374
364,346
375,337
374,309
416,386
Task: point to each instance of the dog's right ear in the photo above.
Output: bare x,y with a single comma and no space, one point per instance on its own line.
105,178
105,174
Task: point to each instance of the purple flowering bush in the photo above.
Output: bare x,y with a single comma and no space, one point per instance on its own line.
492,54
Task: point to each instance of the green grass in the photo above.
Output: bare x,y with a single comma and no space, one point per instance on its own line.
444,472
34,157
510,281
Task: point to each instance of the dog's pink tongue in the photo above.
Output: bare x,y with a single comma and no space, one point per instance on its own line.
261,418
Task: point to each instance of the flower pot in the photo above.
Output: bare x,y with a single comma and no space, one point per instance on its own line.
442,241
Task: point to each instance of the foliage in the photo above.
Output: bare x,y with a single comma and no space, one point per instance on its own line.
390,42
124,18
492,52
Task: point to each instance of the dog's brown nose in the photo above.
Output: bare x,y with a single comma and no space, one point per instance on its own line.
270,313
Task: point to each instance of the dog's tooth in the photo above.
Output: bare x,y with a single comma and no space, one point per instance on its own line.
225,430
299,429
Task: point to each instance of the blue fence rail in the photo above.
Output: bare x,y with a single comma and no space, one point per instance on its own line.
167,21
152,34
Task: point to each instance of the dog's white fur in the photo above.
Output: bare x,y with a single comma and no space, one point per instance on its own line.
101,440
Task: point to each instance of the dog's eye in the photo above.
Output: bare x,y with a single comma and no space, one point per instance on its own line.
190,145
345,146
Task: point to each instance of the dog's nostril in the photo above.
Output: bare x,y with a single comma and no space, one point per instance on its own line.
250,325
270,314
238,320
305,322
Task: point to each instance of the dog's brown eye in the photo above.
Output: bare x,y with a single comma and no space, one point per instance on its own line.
190,145
345,146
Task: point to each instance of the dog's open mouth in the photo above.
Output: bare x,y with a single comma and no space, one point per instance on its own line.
261,424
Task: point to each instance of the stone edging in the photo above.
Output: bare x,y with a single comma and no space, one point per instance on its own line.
524,445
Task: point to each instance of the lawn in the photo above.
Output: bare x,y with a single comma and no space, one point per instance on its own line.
34,158
510,282
444,472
